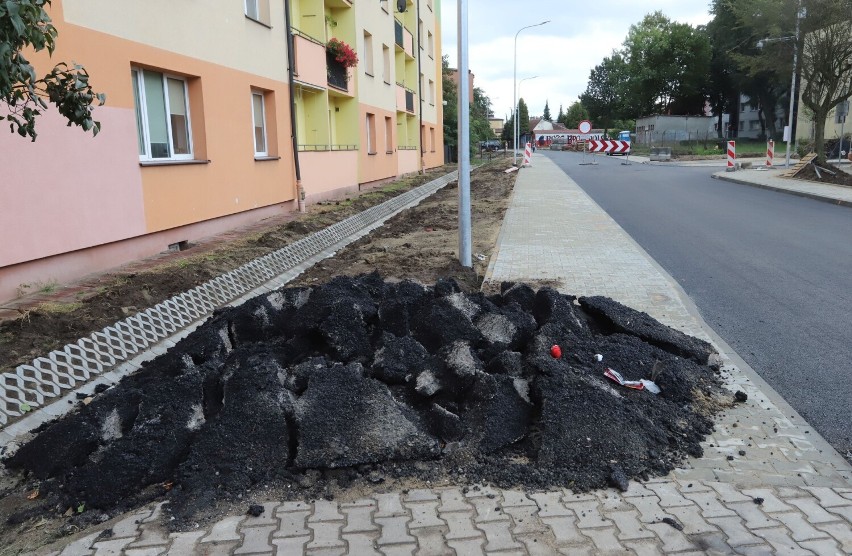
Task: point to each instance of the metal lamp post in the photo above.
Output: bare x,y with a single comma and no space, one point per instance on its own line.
515,89
517,125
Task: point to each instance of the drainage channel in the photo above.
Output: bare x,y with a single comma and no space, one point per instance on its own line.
40,391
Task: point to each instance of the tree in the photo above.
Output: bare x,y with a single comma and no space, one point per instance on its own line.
24,24
451,108
827,63
667,65
480,130
561,115
523,118
606,91
546,116
576,114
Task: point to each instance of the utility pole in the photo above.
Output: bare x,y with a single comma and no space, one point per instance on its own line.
465,237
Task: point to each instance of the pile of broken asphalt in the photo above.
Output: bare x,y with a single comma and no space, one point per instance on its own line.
361,379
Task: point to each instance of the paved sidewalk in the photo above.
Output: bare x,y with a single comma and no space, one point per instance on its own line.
767,484
771,179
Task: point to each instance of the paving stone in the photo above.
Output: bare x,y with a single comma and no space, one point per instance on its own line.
149,551
325,510
290,545
112,547
842,533
571,496
844,511
292,524
537,545
708,503
812,510
452,500
184,543
649,509
155,513
565,530
583,550
588,514
394,530
335,551
628,525
151,534
224,530
690,486
467,547
398,550
225,548
460,525
326,535
692,521
756,550
611,501
430,541
780,540
80,547
292,506
361,502
673,540
605,540
550,504
728,492
359,519
421,495
669,495
483,491
129,526
498,535
361,543
255,539
827,497
513,498
526,520
635,488
733,528
752,515
644,547
488,509
389,505
799,527
770,503
424,514
822,546
266,518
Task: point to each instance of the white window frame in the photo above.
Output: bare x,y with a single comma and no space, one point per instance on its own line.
262,96
140,81
256,5
369,65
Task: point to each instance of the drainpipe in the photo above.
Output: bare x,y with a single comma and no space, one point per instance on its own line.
420,91
290,65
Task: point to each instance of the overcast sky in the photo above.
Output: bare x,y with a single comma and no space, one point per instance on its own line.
561,53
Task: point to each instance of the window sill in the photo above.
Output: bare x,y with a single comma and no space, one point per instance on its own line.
259,22
172,162
388,152
265,158
387,83
374,153
367,73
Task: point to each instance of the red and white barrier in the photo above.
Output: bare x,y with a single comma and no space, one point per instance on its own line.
528,155
732,156
770,153
615,147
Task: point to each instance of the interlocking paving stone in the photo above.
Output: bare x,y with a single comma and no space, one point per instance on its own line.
326,534
325,510
398,550
431,542
255,539
292,524
756,550
149,551
151,534
266,518
842,532
550,504
628,525
467,547
424,514
649,509
488,509
692,521
844,511
498,535
290,545
111,547
526,520
780,539
394,530
361,543
536,545
771,503
184,543
822,546
644,547
752,515
673,540
460,525
129,526
359,519
605,540
389,505
224,530
709,505
421,495
512,498
452,500
799,528
670,496
827,497
565,530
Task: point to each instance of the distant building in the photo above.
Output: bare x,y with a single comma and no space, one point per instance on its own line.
454,77
664,128
496,125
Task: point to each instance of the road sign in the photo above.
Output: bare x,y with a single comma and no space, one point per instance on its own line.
585,126
609,146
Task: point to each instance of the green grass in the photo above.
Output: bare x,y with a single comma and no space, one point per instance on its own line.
744,147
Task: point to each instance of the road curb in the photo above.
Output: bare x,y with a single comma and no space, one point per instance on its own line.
831,200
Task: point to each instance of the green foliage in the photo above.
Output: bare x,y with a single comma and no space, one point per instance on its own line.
24,24
546,116
607,91
523,118
480,130
561,115
576,114
451,108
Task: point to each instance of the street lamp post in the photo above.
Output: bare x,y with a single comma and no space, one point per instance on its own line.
515,90
517,125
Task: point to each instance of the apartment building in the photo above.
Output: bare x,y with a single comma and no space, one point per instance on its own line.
207,128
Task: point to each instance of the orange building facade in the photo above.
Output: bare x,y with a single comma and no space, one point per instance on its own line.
197,133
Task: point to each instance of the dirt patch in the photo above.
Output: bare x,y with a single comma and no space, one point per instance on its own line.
115,296
839,177
361,380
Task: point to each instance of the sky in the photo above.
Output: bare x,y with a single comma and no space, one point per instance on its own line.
560,55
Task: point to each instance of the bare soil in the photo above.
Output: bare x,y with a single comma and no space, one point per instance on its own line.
834,175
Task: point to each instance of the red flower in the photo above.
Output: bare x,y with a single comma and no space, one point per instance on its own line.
342,52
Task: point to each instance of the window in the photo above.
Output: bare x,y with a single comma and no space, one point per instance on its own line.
258,10
388,135
368,53
371,133
432,139
162,116
431,92
430,43
386,68
258,112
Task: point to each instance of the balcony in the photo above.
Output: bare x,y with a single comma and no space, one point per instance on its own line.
338,3
338,75
403,38
310,57
404,99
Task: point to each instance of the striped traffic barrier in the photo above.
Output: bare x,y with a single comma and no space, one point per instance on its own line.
732,156
770,153
528,155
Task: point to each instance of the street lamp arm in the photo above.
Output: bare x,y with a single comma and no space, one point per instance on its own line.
515,90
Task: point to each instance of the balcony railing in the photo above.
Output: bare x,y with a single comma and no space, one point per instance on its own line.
320,148
338,76
397,28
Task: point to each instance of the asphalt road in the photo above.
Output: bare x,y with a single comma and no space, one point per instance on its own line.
770,272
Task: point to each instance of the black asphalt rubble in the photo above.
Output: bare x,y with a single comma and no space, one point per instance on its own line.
361,379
